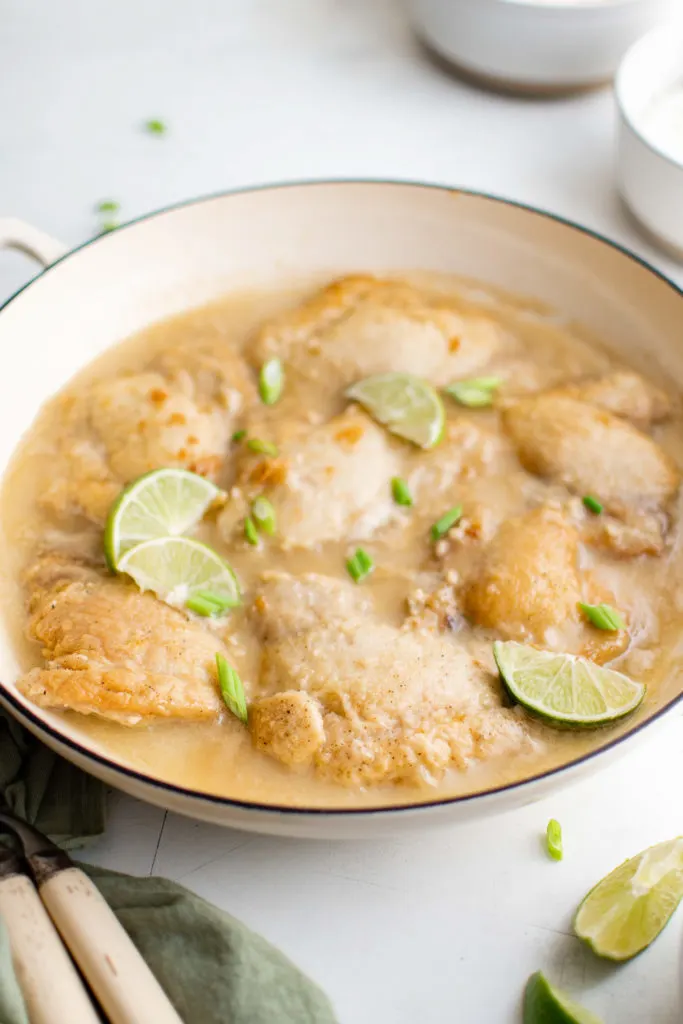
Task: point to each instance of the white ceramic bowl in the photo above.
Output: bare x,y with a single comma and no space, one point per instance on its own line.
536,45
650,181
183,257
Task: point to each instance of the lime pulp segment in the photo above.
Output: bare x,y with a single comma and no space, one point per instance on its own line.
177,568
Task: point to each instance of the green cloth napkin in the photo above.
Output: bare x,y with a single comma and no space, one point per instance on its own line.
212,967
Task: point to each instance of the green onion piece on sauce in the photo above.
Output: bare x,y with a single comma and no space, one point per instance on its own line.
603,616
238,436
209,603
255,444
446,523
401,492
475,393
263,514
271,381
250,531
359,565
592,504
232,690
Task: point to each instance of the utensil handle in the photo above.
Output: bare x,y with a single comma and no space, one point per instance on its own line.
120,979
52,989
15,234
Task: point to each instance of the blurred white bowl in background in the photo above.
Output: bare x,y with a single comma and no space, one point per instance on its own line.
649,91
536,45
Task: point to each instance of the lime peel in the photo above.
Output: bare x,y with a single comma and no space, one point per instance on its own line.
546,1004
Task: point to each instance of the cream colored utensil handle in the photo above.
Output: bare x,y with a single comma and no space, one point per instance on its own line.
120,979
52,989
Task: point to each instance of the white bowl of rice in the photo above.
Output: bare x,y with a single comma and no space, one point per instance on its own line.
539,46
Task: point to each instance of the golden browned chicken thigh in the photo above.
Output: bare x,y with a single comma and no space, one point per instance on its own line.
591,451
328,483
361,325
124,426
113,651
529,585
365,702
625,394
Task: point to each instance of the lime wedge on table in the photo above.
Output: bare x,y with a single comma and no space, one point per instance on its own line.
165,502
405,405
545,1004
177,568
565,689
628,909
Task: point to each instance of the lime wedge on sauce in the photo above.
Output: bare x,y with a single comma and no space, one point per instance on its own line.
407,406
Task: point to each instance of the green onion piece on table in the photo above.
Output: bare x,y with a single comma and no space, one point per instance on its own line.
554,840
603,616
250,531
156,127
255,444
232,690
108,206
263,514
476,393
359,565
446,523
107,226
401,492
592,504
271,381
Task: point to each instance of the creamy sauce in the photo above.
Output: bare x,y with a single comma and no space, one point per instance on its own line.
219,758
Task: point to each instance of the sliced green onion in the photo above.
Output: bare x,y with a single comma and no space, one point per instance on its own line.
255,444
603,616
475,393
156,127
208,603
446,523
271,381
263,514
592,504
108,206
359,565
401,492
107,226
239,435
232,690
554,840
250,531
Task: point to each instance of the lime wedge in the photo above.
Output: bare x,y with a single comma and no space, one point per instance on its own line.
564,689
626,911
545,1004
177,568
165,502
405,405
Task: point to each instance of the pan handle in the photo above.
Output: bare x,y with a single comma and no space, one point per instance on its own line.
15,234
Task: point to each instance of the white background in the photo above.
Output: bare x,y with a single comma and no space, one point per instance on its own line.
448,926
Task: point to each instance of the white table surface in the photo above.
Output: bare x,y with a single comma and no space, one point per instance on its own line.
448,926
